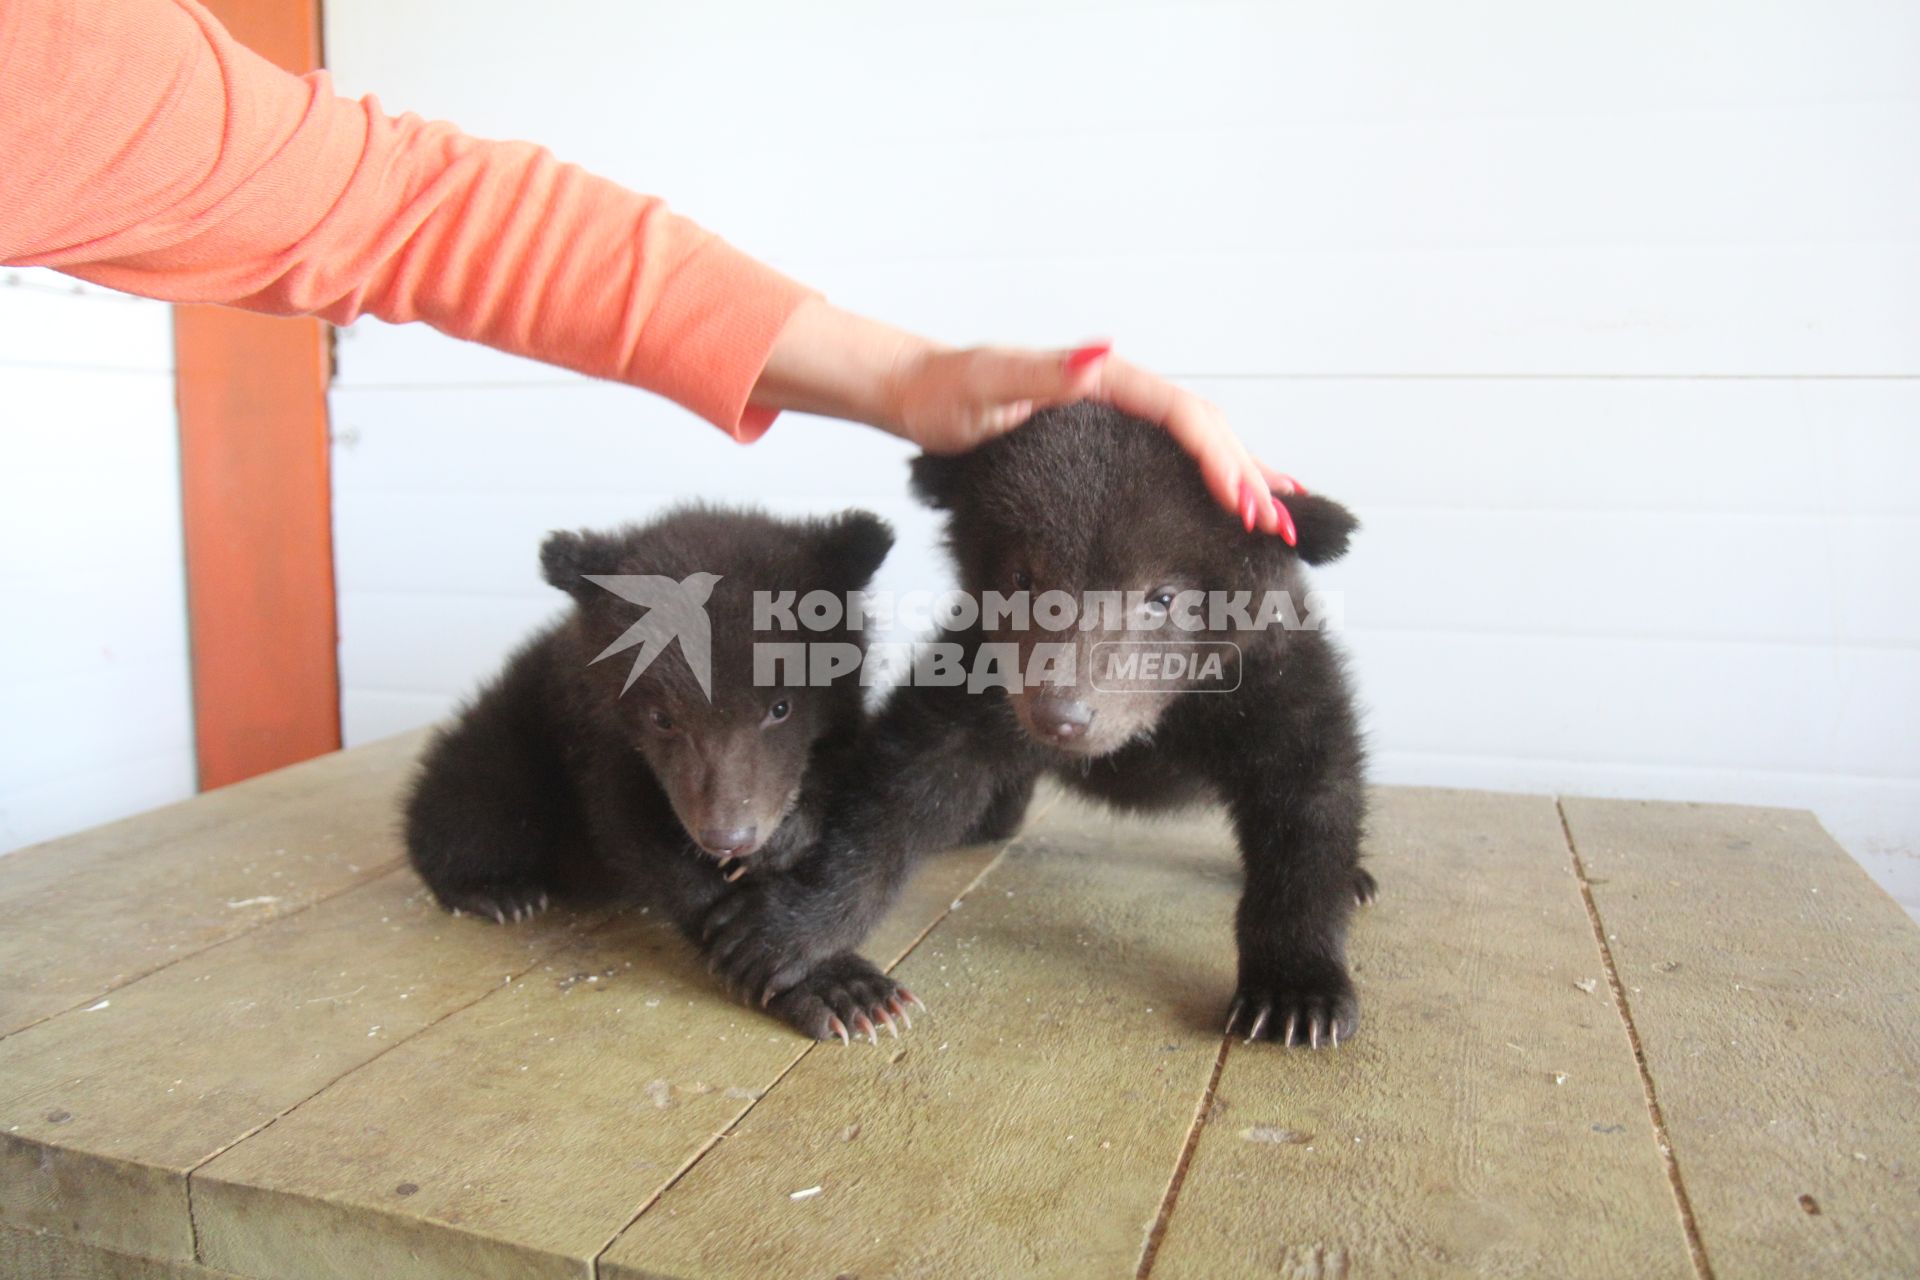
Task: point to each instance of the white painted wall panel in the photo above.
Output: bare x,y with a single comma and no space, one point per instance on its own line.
95,710
1607,322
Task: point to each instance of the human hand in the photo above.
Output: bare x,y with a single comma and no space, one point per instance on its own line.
949,400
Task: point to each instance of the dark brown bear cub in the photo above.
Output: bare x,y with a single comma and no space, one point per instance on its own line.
1194,671
632,753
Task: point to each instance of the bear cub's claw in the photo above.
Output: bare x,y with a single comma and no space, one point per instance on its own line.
1365,887
846,998
500,903
1315,1007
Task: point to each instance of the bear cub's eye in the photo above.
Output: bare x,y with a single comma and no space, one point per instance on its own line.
660,720
779,711
1022,580
1161,600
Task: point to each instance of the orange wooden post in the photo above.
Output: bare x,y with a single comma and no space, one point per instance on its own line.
257,500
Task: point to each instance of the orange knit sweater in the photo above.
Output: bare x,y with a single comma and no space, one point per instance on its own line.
142,148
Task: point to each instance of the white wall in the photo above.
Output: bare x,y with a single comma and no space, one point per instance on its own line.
1606,319
95,712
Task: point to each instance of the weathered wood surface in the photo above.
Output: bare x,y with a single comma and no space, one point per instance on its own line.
1488,1119
82,915
42,1255
518,1136
1775,991
103,1112
1029,1125
346,1082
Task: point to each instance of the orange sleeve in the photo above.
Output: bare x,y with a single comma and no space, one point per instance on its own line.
142,148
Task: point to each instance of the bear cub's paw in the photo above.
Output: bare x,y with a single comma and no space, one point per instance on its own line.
1307,1001
1365,887
501,901
845,998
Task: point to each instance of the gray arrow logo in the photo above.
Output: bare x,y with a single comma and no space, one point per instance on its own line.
674,611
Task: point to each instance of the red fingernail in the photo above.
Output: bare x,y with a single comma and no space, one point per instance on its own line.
1297,486
1086,356
1286,524
1246,505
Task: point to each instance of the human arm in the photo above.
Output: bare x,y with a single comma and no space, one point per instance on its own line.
947,399
147,150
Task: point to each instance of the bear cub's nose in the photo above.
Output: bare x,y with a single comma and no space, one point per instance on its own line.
1062,719
728,840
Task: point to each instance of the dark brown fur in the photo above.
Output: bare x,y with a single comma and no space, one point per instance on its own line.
556,783
1085,499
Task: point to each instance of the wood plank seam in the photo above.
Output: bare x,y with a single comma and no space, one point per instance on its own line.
534,962
1150,1248
707,1147
700,1153
130,978
1690,1227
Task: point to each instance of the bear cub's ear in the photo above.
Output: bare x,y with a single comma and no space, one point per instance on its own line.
1322,525
851,547
566,558
936,478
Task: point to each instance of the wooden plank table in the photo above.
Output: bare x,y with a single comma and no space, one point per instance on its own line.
1601,1038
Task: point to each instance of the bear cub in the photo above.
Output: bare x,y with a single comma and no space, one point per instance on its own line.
1122,705
627,753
